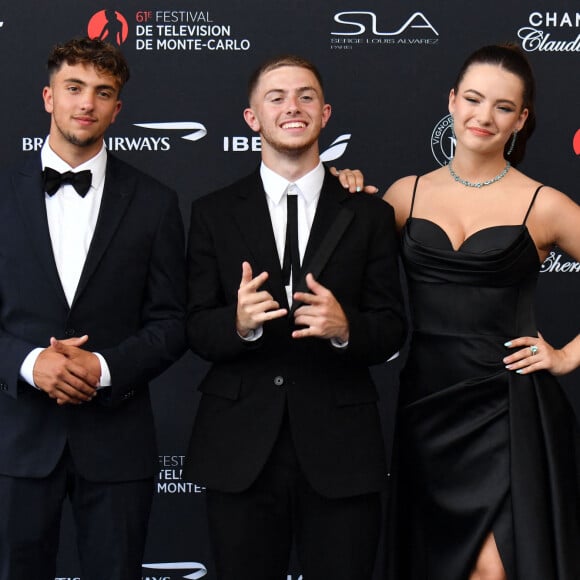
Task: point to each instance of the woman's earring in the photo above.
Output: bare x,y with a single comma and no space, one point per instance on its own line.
513,142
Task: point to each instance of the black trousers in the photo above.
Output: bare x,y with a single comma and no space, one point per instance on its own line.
111,521
252,532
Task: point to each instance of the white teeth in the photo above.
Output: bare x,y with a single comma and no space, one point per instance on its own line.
294,125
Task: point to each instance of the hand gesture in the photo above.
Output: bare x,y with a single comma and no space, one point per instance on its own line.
321,314
255,306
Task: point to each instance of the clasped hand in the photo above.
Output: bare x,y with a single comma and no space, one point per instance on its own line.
66,372
320,314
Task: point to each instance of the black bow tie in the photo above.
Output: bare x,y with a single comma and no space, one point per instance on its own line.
81,180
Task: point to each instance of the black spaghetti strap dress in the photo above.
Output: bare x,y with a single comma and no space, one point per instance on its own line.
479,449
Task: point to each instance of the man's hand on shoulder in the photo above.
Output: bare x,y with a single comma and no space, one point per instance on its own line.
353,180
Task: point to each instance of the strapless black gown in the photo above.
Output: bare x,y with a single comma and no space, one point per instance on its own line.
479,448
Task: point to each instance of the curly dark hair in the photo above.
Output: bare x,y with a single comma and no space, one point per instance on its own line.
104,56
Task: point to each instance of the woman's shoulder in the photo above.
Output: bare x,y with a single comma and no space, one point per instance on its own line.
546,196
400,194
401,186
554,217
402,189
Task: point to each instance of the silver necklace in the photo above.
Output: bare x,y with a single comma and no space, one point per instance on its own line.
479,183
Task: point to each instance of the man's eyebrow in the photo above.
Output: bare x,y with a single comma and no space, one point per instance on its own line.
298,90
83,83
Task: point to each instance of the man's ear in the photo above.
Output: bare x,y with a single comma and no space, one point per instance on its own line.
251,119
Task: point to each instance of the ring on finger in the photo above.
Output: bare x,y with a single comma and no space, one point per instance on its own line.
533,349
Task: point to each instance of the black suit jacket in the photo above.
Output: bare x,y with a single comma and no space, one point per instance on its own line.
329,393
130,301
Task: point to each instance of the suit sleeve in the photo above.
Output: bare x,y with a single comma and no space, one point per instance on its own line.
211,312
14,351
377,324
160,339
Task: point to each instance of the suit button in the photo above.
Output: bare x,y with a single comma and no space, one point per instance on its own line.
278,381
3,386
69,332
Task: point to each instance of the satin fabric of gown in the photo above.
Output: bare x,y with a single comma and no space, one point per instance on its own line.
478,448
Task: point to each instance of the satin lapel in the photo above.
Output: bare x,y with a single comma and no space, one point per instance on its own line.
117,193
30,199
253,220
329,204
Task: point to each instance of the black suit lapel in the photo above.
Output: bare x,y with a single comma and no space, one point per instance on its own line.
253,220
30,198
330,206
117,193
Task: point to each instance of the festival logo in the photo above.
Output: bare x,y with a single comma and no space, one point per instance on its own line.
362,27
167,31
551,31
443,140
169,477
185,30
576,142
109,25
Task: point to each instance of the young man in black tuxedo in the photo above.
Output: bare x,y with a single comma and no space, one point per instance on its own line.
287,437
92,296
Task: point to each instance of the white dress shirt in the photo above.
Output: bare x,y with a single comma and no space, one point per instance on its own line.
71,223
308,189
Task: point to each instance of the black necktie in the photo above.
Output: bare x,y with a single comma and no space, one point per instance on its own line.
291,250
81,180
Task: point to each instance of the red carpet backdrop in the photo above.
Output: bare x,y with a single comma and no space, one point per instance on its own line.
388,67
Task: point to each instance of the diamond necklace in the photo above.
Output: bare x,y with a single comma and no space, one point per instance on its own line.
479,183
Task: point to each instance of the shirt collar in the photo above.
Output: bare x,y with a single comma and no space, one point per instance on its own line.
309,185
97,164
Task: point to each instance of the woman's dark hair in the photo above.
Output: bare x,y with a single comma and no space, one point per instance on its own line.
511,58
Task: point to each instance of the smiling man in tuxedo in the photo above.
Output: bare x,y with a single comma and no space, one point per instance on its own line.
92,295
293,292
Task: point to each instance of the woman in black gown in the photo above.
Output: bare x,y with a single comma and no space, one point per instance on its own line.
485,474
